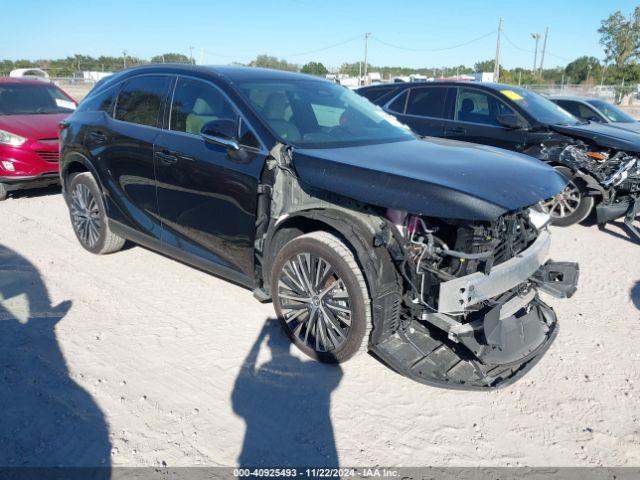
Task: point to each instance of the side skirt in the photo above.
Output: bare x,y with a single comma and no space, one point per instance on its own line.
177,254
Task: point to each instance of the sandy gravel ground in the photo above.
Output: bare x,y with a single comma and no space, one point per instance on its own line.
135,359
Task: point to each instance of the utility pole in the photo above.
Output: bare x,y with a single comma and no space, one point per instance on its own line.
496,65
536,37
544,47
589,67
519,77
202,56
366,41
191,55
124,58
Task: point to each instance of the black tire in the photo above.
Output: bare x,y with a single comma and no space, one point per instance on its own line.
4,192
321,329
88,216
574,197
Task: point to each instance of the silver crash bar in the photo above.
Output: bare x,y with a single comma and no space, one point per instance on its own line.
458,294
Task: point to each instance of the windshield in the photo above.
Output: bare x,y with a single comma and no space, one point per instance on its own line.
541,109
318,114
614,114
28,99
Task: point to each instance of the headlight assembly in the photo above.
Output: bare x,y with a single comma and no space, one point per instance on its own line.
8,138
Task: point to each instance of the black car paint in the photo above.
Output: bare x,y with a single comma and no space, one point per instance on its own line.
512,139
432,177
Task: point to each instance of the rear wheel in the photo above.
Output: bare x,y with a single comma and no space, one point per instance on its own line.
88,216
321,298
571,205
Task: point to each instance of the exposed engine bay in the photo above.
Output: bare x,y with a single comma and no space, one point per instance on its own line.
473,317
613,175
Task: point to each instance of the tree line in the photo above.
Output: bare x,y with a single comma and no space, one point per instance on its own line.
619,37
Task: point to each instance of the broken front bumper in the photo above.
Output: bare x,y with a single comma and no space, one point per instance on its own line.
502,344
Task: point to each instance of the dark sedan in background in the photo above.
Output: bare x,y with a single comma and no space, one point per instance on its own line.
596,110
600,162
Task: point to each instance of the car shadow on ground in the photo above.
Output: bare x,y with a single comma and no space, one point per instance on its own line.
46,419
34,192
635,294
618,229
286,405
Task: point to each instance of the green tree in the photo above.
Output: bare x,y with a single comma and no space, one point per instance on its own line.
485,66
170,58
268,61
620,37
583,68
314,68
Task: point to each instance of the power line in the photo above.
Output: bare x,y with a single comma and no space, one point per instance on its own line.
434,49
547,52
328,47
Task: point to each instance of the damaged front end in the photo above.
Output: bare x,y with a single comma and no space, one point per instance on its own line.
612,175
472,316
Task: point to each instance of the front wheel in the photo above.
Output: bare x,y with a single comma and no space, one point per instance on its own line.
321,298
88,216
571,205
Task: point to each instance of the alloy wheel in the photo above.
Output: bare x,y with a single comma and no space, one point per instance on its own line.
564,203
85,215
315,302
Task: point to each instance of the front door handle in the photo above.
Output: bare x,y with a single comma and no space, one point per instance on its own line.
166,157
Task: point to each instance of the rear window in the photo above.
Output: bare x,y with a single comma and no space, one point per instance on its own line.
102,101
140,100
373,94
427,102
29,99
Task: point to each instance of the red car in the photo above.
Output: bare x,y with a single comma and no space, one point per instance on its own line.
30,111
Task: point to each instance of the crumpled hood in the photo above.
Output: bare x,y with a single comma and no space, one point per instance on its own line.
433,177
35,126
603,134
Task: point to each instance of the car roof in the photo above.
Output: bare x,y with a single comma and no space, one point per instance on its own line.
23,80
231,73
445,83
574,98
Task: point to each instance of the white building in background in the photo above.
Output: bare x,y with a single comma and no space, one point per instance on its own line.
29,73
483,77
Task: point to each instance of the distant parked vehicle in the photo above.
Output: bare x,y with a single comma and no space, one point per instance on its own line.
600,162
30,112
599,111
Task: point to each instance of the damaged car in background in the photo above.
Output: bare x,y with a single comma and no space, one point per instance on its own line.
600,162
427,253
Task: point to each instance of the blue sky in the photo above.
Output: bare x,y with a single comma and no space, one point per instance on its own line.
238,31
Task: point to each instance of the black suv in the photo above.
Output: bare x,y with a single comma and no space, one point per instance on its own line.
600,162
425,252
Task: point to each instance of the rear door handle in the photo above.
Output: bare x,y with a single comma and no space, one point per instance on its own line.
167,157
457,130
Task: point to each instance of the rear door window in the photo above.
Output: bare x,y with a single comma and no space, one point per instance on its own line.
427,102
476,106
140,100
373,94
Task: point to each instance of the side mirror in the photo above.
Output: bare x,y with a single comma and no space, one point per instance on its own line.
511,120
221,132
